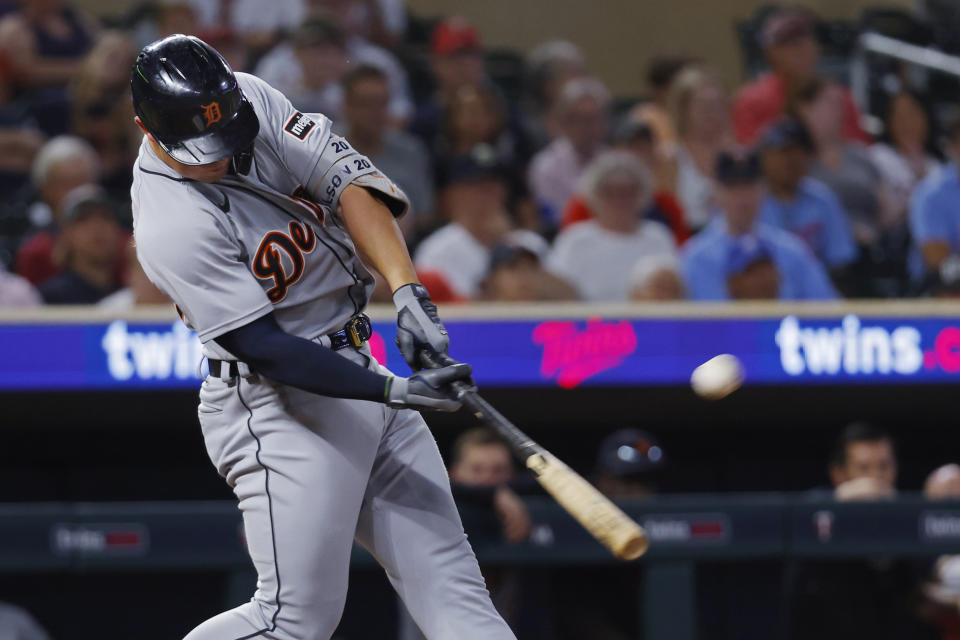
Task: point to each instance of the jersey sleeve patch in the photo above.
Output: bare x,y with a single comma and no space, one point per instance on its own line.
299,126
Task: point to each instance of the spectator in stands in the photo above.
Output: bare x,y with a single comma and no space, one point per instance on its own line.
398,154
701,116
103,112
661,72
943,483
907,152
861,598
361,51
473,197
941,593
63,164
657,278
863,463
549,66
137,290
843,166
176,16
17,624
481,469
789,41
87,246
935,216
580,118
20,135
456,61
798,203
517,274
739,257
45,41
636,137
308,68
630,463
597,255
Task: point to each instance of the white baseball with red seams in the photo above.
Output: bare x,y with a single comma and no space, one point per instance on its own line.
717,377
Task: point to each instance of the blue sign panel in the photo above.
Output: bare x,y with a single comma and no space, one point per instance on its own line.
563,353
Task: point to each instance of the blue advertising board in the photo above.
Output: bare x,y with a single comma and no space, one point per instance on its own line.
564,353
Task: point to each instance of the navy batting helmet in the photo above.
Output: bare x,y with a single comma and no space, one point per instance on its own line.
188,98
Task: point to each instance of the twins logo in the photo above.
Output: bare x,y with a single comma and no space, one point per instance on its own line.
280,258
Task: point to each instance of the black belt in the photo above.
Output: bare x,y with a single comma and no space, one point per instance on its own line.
354,334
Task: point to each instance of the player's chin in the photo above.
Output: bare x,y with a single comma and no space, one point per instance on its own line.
213,172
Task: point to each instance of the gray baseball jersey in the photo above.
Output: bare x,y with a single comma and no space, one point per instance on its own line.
311,473
230,252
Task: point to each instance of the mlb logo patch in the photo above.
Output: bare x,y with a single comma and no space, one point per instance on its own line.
299,126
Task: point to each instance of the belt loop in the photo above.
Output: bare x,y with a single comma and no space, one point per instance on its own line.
243,370
225,372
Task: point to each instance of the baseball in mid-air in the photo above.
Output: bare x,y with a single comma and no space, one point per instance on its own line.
717,377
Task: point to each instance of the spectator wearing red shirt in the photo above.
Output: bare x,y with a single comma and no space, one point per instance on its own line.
789,42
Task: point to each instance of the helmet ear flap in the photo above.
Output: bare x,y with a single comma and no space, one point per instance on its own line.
242,161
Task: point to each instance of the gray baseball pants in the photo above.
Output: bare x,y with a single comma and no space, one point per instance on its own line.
312,474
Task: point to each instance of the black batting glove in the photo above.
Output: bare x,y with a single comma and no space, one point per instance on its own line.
419,327
428,389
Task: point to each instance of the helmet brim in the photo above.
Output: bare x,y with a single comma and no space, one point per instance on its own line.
233,137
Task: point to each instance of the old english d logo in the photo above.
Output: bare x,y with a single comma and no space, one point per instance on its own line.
280,258
211,112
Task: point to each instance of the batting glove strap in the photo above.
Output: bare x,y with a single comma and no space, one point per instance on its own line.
418,325
427,390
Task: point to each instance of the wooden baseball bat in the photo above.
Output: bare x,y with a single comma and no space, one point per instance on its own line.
598,514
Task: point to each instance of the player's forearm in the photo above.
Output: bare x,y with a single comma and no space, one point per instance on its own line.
300,363
377,236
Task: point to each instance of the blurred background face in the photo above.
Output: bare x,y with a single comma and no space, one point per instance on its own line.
796,59
366,107
908,124
740,203
584,123
473,118
785,168
872,459
619,197
481,206
708,112
660,286
321,64
63,178
483,465
459,69
824,114
92,238
515,281
759,281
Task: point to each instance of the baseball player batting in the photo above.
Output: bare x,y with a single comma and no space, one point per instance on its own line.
251,215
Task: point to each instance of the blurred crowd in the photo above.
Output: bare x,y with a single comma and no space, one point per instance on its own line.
529,180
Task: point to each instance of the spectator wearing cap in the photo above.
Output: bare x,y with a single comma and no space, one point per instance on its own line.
798,203
456,59
657,278
398,154
701,114
63,164
630,463
87,244
517,274
473,197
935,217
597,255
739,257
580,118
309,66
637,137
45,42
790,44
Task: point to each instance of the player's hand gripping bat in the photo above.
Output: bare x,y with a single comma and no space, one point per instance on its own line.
604,520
